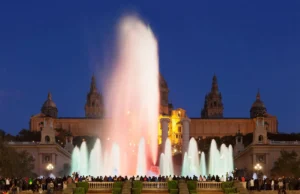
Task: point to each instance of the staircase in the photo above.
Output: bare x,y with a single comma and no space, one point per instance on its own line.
126,188
240,188
183,189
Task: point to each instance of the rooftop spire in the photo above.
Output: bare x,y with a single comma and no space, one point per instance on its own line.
93,84
49,96
258,95
214,87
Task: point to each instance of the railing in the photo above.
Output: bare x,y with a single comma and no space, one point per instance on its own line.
209,185
161,186
284,142
100,186
155,186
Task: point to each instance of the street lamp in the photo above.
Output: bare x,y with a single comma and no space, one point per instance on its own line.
257,168
50,167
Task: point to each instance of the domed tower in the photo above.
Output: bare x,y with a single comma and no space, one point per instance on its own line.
94,103
164,96
213,105
49,107
258,108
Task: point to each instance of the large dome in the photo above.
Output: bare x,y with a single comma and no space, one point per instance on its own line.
258,108
49,107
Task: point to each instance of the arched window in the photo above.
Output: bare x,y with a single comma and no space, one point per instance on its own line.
47,139
215,103
239,139
260,138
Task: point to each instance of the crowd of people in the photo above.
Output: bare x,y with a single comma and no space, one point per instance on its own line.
16,185
264,183
159,178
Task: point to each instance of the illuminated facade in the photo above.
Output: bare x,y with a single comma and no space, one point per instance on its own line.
210,123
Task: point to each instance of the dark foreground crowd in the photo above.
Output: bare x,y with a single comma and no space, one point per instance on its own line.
159,178
282,184
16,185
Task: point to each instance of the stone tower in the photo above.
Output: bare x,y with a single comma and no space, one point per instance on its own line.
239,144
213,106
165,108
260,135
94,102
49,108
258,108
48,132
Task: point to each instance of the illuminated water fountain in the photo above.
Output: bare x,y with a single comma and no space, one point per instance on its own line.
166,162
129,139
219,162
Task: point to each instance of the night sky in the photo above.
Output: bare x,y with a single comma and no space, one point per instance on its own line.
58,46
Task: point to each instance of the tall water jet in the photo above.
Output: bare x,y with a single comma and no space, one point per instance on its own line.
83,161
230,159
115,160
191,163
185,165
166,161
202,164
214,158
141,167
193,155
132,93
75,160
95,163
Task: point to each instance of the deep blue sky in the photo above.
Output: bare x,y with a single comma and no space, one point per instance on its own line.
57,46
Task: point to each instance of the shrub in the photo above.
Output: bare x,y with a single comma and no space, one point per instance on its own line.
136,191
227,185
173,191
79,190
116,190
230,190
117,185
137,184
84,185
192,185
172,185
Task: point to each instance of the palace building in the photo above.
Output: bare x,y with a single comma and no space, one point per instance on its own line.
211,121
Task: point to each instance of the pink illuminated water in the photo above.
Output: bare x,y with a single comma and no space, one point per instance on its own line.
132,95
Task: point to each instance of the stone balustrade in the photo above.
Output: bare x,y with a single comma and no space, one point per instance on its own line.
155,186
284,142
209,185
100,186
162,186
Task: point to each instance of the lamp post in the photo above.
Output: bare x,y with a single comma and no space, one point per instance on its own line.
257,168
50,167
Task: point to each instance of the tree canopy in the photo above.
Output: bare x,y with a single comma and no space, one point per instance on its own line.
13,163
288,164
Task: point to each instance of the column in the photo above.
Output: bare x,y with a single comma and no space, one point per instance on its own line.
185,134
164,127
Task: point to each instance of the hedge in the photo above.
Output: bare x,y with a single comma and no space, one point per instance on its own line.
117,185
116,190
79,190
192,185
228,187
173,191
137,187
172,185
84,185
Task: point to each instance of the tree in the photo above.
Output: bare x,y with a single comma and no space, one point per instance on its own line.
288,164
27,135
13,163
